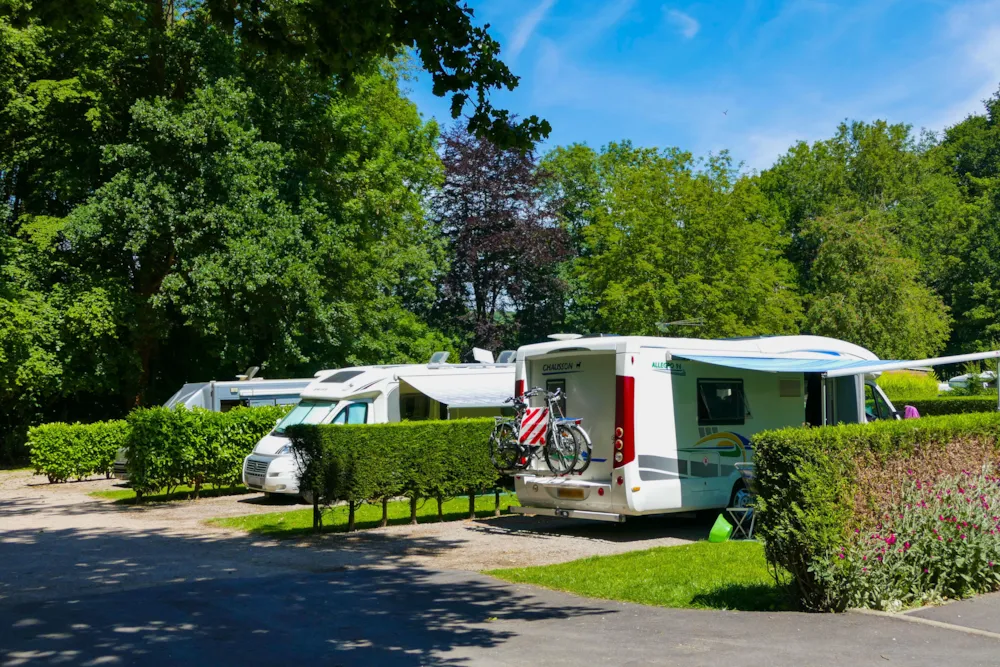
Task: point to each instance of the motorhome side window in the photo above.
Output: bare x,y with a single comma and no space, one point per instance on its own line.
552,385
721,402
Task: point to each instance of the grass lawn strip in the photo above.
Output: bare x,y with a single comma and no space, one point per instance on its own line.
703,575
127,496
299,522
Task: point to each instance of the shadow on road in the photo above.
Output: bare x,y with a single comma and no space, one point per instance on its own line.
635,529
150,598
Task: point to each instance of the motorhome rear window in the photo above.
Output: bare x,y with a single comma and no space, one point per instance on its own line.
721,402
342,376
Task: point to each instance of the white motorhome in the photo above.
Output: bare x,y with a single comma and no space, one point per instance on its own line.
224,395
375,395
669,417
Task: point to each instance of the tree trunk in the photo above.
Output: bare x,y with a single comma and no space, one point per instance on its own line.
317,516
197,487
472,503
440,509
496,498
385,513
413,511
350,516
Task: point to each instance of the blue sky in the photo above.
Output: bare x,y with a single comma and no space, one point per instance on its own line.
662,73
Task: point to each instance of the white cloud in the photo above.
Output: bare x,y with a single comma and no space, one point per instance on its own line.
527,25
685,23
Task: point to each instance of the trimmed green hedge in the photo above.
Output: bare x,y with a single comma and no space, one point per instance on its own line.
63,451
169,448
948,405
375,462
823,489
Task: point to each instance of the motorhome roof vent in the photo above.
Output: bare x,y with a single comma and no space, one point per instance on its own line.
439,358
565,336
482,356
341,376
507,357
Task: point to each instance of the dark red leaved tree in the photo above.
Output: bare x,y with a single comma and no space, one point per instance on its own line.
505,247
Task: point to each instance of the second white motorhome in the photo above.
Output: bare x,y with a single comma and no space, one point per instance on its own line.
375,395
670,417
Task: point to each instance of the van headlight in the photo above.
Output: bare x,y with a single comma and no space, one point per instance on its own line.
287,449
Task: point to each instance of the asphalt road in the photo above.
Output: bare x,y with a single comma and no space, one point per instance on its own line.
80,585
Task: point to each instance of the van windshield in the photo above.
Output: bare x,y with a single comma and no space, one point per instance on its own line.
306,412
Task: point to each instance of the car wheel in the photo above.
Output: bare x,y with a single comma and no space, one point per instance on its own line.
307,497
741,496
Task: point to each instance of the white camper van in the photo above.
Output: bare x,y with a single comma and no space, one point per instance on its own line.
224,395
375,395
669,417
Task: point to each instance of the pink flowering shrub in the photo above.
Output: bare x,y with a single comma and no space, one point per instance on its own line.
941,540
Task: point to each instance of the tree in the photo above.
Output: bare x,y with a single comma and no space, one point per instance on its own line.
504,247
336,38
863,290
664,237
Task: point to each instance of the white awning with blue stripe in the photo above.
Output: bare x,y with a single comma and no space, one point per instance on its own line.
831,366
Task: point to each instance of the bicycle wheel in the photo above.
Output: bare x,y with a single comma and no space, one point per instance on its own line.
586,448
505,452
561,449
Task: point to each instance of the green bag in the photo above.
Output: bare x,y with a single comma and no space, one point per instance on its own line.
721,530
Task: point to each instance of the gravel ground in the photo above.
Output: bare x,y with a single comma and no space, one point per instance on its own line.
57,539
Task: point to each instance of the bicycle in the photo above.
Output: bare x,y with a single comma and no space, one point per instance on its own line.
515,442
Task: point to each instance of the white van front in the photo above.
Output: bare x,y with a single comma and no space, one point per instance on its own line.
272,467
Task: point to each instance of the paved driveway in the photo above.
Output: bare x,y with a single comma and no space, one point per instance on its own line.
82,583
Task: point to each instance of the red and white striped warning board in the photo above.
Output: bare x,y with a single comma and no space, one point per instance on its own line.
534,426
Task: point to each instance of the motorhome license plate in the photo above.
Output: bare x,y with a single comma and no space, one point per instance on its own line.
572,494
255,481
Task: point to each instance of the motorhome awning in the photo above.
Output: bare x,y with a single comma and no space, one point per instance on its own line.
479,390
831,367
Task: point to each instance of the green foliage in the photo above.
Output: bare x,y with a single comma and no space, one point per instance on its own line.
948,405
170,448
64,451
818,486
665,237
428,459
703,575
909,385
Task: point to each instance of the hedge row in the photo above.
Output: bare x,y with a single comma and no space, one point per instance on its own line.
833,501
64,451
170,448
948,405
376,462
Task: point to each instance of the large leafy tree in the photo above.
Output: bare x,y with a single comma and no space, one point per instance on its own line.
663,237
863,208
503,244
177,204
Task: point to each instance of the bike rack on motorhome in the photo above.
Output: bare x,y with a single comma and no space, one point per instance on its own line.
380,394
670,417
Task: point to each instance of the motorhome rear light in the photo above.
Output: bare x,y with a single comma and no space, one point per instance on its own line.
619,444
600,491
619,432
625,418
620,480
519,388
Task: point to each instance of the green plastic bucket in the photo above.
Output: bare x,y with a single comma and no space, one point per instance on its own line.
721,530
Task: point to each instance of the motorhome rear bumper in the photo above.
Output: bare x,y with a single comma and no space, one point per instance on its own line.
570,514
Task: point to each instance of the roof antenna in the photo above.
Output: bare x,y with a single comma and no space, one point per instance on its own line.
695,322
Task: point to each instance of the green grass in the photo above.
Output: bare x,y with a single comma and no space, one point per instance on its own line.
703,575
299,522
127,496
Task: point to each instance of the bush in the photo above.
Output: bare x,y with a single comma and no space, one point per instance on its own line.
908,384
63,451
824,491
169,448
375,462
949,405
